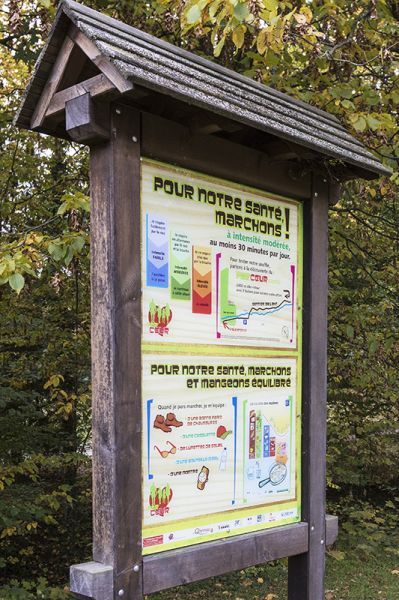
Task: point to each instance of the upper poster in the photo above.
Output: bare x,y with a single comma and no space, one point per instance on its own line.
220,262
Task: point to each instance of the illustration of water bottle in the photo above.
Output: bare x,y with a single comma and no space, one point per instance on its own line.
251,472
223,460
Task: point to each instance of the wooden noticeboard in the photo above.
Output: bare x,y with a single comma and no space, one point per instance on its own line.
209,220
221,341
175,339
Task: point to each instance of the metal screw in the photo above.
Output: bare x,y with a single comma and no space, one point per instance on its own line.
316,194
121,593
134,139
312,528
136,568
118,112
321,542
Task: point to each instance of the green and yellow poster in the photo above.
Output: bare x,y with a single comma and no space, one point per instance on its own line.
221,344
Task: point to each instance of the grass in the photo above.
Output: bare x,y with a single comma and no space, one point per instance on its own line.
354,577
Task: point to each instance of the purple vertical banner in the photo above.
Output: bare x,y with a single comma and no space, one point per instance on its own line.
218,257
157,252
293,302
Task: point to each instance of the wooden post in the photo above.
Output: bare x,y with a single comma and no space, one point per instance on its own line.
116,357
306,571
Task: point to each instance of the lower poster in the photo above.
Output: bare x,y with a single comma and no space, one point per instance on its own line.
221,451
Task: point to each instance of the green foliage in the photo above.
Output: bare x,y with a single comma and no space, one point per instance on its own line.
367,528
339,57
336,55
31,590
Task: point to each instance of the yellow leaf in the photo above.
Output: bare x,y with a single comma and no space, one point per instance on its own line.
219,46
337,554
395,572
8,531
305,10
239,36
261,41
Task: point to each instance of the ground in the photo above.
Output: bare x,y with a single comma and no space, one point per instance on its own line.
354,577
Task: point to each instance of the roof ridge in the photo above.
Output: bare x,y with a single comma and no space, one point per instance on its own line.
190,56
251,99
266,91
193,79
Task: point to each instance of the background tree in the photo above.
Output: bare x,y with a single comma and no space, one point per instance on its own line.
342,57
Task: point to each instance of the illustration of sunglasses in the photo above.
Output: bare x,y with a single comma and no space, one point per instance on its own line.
277,474
165,453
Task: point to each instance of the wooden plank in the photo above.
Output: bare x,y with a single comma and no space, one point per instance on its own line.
306,572
96,86
81,121
52,83
105,65
174,143
116,356
331,529
176,567
76,62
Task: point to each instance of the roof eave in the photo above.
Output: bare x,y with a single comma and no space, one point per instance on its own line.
364,165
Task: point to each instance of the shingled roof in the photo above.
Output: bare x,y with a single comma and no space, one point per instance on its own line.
159,66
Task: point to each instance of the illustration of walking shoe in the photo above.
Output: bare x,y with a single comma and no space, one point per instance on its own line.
159,423
172,421
167,424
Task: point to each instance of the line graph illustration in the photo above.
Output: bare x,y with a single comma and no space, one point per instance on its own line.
248,301
261,311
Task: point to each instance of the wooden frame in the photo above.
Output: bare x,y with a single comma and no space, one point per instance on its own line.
116,332
55,77
306,571
141,97
116,350
52,101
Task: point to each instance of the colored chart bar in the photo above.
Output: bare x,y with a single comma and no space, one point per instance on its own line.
157,252
202,280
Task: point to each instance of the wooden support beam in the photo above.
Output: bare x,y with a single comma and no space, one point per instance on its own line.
306,572
174,143
222,556
209,123
102,63
331,529
284,150
82,123
53,82
116,352
76,62
95,86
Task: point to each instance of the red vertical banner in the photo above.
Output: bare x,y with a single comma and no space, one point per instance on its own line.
252,435
273,446
202,280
